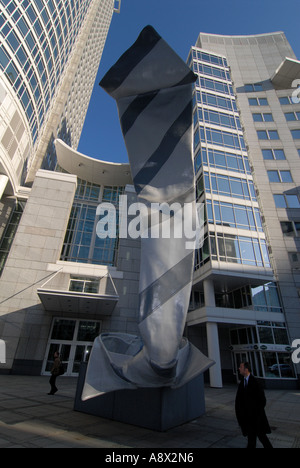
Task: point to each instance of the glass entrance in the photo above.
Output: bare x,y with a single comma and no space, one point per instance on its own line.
81,354
73,339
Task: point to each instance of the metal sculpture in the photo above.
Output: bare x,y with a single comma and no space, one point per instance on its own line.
153,90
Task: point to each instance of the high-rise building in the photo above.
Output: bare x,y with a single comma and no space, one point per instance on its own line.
247,148
50,52
49,56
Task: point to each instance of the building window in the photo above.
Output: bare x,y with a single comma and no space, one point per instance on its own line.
232,215
266,298
219,118
290,228
286,201
258,117
87,285
258,101
280,176
268,134
295,134
291,116
239,249
209,58
277,365
294,260
202,255
269,154
286,100
215,86
221,138
287,228
256,87
10,232
211,71
222,160
215,101
196,300
231,187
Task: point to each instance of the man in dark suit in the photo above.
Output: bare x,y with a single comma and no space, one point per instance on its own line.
250,405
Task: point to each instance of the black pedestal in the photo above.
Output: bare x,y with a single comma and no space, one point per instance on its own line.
158,409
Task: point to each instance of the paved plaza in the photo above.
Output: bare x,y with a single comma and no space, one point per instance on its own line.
29,418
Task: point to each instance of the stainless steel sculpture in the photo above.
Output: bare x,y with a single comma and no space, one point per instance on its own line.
153,90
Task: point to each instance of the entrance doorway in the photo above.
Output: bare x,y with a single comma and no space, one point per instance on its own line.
73,339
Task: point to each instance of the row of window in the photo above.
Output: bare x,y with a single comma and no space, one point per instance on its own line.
284,200
233,215
215,86
263,298
280,176
273,134
227,186
239,249
227,103
261,101
233,249
222,160
239,163
217,118
201,68
231,121
258,87
209,58
286,100
289,228
276,334
220,138
56,26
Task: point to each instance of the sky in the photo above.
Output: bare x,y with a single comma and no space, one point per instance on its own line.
179,22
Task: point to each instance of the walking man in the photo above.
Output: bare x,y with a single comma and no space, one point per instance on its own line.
54,373
250,409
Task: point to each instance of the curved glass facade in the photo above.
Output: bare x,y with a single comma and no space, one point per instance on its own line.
49,56
81,243
224,179
38,38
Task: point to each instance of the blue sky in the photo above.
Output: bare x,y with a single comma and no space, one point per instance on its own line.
179,22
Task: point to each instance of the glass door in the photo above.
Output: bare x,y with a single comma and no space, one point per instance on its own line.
73,339
81,353
64,351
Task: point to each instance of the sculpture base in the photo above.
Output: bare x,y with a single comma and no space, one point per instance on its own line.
158,409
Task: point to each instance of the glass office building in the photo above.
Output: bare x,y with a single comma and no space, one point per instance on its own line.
50,52
49,56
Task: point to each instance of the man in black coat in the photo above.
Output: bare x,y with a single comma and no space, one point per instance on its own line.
249,407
